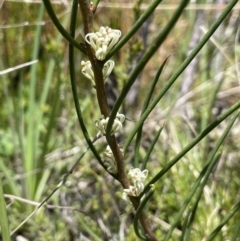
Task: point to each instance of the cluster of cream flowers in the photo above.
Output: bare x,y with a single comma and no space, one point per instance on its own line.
109,161
103,41
117,124
88,71
137,178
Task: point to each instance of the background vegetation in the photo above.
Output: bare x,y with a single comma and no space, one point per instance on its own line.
40,137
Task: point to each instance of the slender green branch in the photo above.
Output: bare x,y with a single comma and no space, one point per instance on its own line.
224,221
192,144
3,218
145,105
134,29
236,232
149,53
139,210
178,72
60,28
150,149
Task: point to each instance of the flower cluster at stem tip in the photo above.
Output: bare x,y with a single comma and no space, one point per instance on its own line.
137,178
88,71
103,41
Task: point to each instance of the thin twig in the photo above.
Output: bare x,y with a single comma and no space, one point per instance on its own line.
6,71
87,16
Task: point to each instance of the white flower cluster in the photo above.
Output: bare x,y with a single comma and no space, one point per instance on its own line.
117,124
137,178
109,161
88,71
103,41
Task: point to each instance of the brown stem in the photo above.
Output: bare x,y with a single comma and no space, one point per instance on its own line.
143,220
87,16
101,94
121,175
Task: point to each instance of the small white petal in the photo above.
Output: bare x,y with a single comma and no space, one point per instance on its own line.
121,117
91,39
107,69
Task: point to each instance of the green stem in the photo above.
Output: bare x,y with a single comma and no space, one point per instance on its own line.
145,105
150,148
60,28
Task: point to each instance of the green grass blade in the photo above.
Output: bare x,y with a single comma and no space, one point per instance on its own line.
3,216
30,145
145,105
42,184
191,213
224,221
11,185
42,177
236,232
213,163
205,173
142,63
87,229
184,228
177,73
187,201
60,28
43,100
10,112
150,149
20,120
